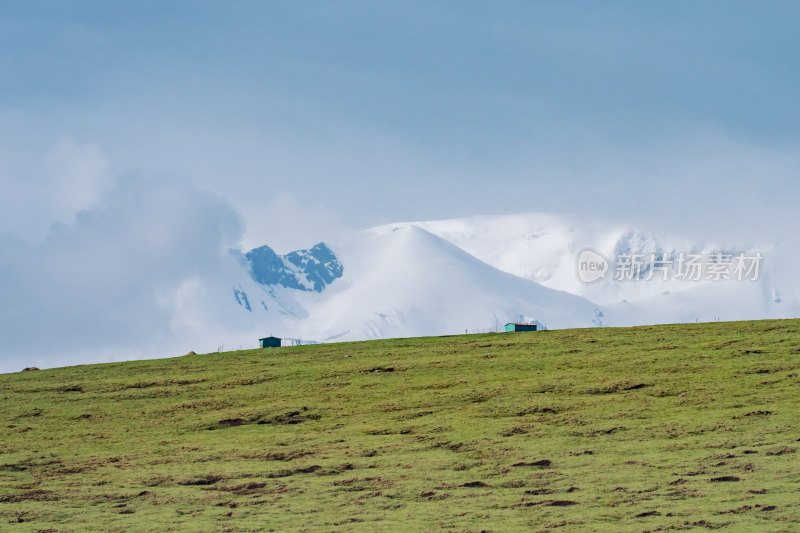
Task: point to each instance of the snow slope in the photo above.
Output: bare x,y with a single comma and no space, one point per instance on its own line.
409,283
544,248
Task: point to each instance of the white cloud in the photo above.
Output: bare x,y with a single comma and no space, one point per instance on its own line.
93,289
43,188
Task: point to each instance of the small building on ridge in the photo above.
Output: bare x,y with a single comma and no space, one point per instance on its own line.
516,326
270,342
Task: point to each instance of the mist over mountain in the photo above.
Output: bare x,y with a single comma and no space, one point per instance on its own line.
476,274
403,279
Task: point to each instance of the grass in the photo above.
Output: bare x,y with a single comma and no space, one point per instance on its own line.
687,427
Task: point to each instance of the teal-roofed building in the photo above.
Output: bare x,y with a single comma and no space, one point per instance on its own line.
516,326
270,342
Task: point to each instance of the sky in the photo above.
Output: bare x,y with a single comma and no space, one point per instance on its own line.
139,139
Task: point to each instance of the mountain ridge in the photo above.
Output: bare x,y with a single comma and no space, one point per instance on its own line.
475,273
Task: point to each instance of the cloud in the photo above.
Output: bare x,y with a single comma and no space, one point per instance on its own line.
285,223
40,189
102,286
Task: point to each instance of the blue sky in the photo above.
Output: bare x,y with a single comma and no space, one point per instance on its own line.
187,127
379,111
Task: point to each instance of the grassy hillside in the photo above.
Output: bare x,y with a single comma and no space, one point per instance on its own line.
635,429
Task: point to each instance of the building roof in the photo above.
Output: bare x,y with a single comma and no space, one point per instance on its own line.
270,337
521,324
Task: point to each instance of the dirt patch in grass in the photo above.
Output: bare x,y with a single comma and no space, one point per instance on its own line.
542,463
362,484
16,467
560,503
335,471
766,370
417,414
245,489
754,413
474,484
290,472
390,431
70,388
617,387
516,430
782,451
290,417
231,422
609,431
307,469
706,524
379,369
167,383
536,411
749,508
200,481
30,496
286,418
277,456
36,411
434,496
539,492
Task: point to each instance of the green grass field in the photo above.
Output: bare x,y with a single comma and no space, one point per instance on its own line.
679,427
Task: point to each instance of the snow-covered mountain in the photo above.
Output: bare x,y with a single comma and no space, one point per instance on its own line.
544,248
407,282
410,282
476,274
